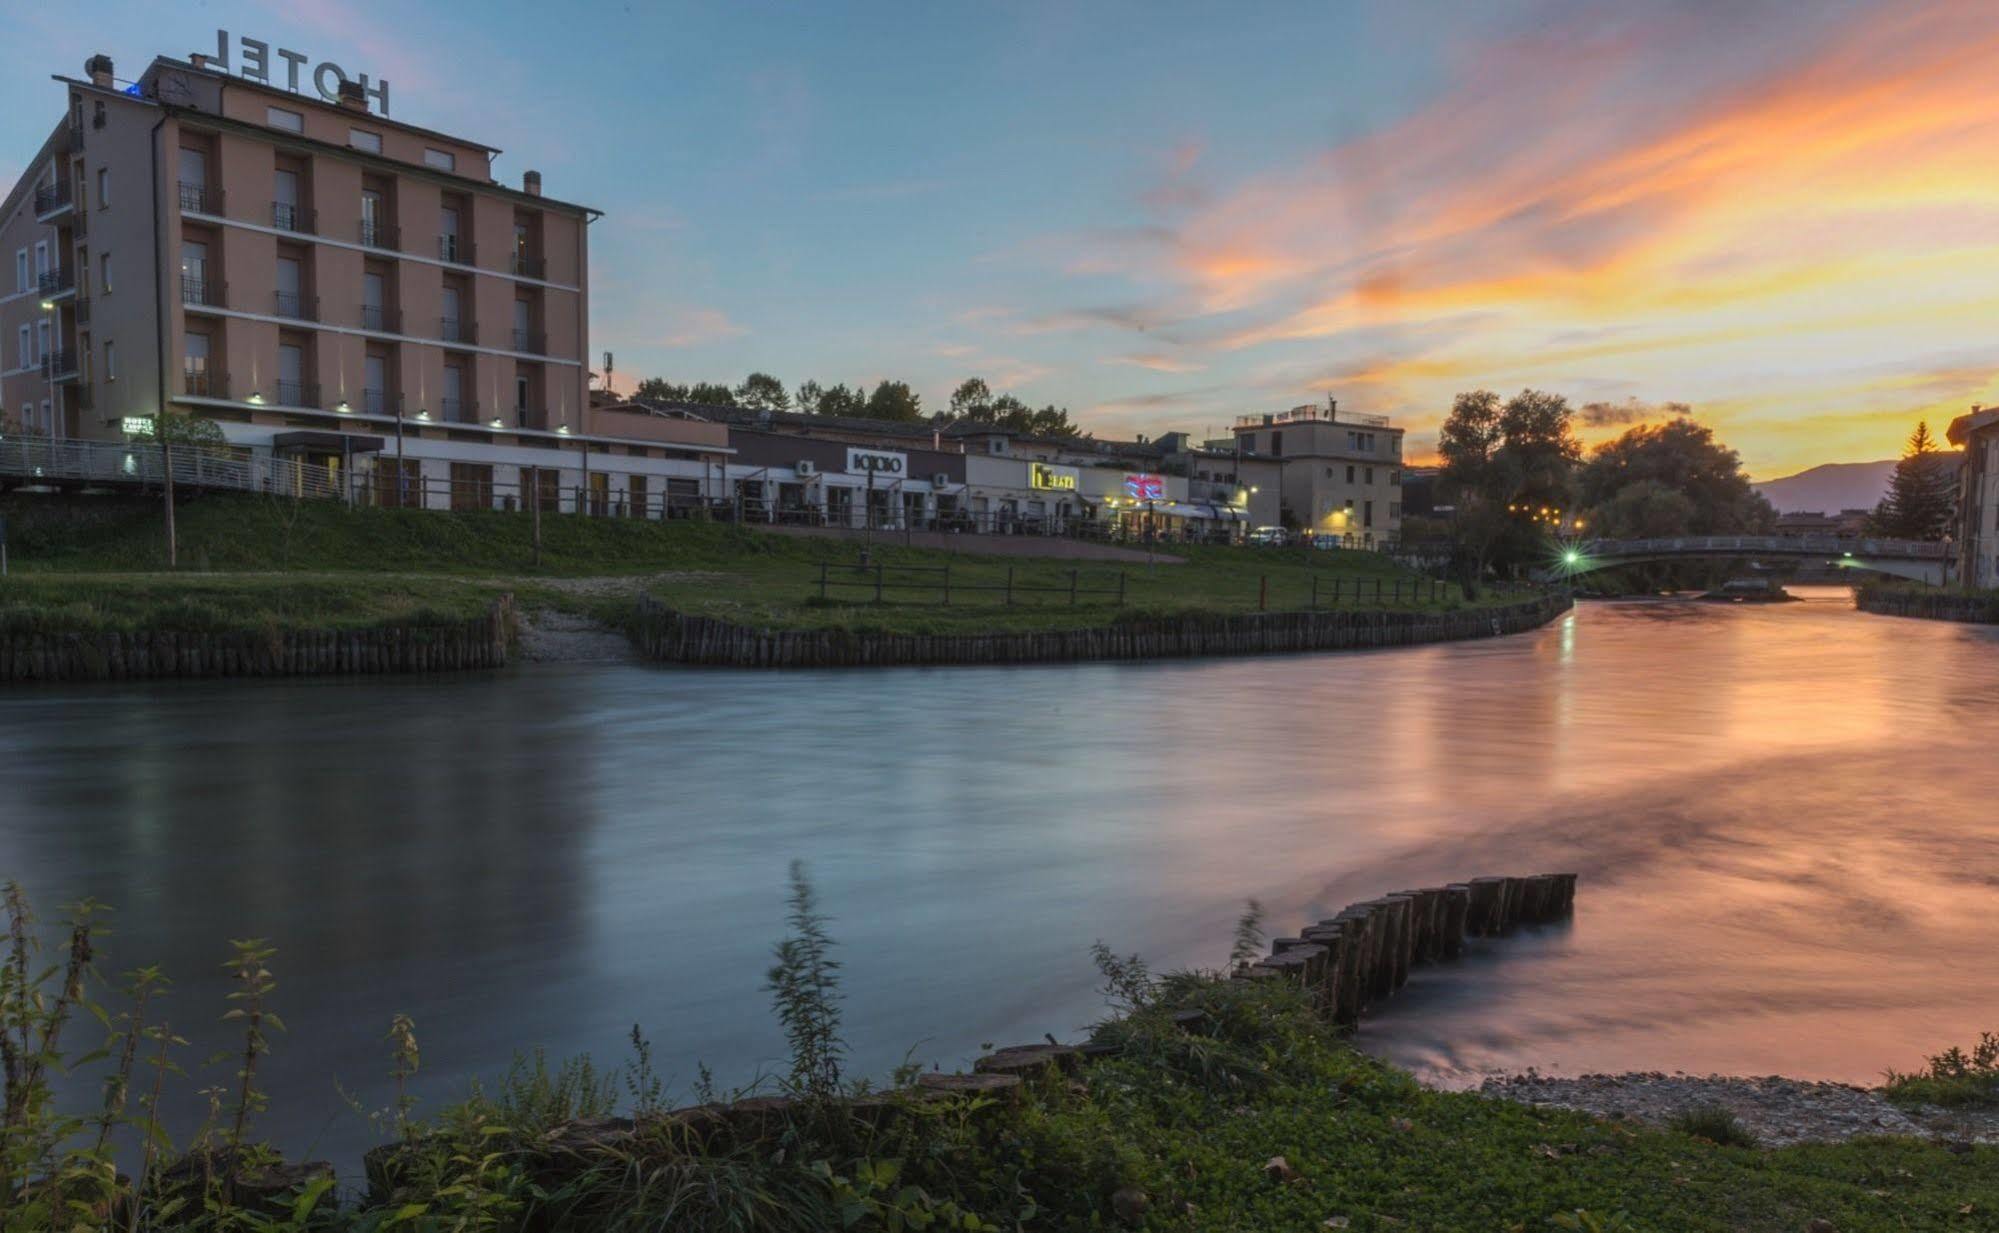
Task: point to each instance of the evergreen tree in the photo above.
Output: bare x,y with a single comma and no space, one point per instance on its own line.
1922,495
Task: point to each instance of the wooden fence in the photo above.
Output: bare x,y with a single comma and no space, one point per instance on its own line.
1933,605
481,642
674,637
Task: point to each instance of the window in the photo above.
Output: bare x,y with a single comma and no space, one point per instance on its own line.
362,139
290,121
21,270
48,418
1277,444
104,271
41,257
1349,473
1395,477
1370,475
443,160
103,187
24,349
42,347
1367,515
110,360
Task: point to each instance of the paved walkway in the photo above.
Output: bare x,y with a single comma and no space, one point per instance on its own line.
1053,546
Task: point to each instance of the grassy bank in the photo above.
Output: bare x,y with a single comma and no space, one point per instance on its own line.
741,574
54,603
1206,1104
1913,599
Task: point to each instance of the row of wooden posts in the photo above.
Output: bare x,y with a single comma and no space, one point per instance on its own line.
1365,951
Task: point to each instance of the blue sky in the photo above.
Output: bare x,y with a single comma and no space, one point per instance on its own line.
1166,215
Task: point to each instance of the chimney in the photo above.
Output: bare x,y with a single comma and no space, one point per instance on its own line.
99,69
353,95
198,59
531,183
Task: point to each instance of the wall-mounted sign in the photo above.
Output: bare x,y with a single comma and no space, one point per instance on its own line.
325,77
1145,487
1042,475
137,425
877,462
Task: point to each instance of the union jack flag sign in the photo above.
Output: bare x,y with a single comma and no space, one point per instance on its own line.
1145,487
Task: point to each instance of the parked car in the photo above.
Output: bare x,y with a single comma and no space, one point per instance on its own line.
1266,537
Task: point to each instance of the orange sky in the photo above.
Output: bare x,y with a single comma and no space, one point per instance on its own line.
1809,256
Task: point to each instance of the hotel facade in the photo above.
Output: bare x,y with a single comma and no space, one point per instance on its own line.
355,302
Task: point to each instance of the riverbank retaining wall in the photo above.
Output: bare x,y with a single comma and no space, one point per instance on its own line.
481,642
674,637
1930,605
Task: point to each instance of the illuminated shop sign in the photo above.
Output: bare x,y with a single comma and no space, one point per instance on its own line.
1041,475
325,76
1145,487
137,425
877,462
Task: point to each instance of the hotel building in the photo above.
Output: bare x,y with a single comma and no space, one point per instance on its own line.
353,298
1977,530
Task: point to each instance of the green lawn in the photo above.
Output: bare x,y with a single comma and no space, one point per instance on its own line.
739,573
101,603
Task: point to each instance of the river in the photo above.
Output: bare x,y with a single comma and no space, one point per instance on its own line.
1783,817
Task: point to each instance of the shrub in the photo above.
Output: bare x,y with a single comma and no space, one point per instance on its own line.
1714,1123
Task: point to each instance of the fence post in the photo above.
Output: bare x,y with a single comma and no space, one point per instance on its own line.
878,582
1009,586
947,584
1120,588
1262,591
1315,591
1072,588
822,582
1377,589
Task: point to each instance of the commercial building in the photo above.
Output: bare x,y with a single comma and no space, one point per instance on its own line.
1977,533
1337,473
352,298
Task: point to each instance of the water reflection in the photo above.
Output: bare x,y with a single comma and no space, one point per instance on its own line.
1777,813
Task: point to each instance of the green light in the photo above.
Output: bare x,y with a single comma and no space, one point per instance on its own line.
1572,557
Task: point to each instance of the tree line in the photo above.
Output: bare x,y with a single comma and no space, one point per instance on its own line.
893,401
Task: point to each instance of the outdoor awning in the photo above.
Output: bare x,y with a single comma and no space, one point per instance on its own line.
1178,509
330,442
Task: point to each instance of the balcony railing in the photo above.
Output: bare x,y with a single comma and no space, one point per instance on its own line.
53,198
457,330
454,248
195,199
296,307
459,411
298,393
376,317
59,365
200,383
531,342
529,267
75,138
205,292
379,235
381,402
288,217
56,282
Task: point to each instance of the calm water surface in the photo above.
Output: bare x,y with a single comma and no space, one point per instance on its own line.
1784,818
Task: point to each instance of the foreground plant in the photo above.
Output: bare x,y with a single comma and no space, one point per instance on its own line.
1953,1078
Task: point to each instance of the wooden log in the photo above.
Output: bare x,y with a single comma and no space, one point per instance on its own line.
1483,915
1457,906
1544,896
1026,1061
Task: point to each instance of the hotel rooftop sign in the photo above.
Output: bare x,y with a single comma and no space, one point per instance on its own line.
325,76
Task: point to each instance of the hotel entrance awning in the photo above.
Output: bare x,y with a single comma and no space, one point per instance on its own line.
325,442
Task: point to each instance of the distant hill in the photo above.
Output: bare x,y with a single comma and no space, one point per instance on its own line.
1830,488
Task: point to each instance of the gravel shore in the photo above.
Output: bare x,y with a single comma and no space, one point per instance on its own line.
1778,1111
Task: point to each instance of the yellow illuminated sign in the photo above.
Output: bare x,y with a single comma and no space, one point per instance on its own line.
1041,475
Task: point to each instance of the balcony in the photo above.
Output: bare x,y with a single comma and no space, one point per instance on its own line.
454,248
288,217
196,199
385,320
56,284
76,139
59,365
82,309
82,399
298,393
379,235
200,383
295,307
455,330
529,267
53,199
381,402
80,226
459,411
203,292
531,342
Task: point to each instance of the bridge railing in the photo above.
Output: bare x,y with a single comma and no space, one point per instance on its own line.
44,459
1788,545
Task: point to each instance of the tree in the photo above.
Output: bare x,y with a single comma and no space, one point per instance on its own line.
1504,464
895,401
1538,449
1678,456
1468,440
1922,494
833,400
1646,509
659,389
972,400
708,394
183,432
806,397
762,392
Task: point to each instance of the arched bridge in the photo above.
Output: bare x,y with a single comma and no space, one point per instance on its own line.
1921,560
